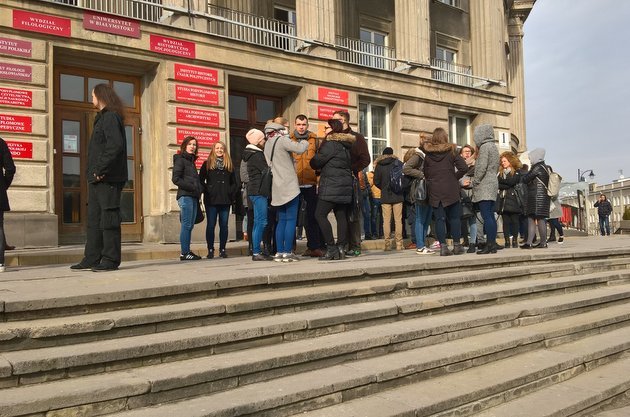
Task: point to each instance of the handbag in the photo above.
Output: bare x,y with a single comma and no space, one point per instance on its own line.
419,191
200,216
266,178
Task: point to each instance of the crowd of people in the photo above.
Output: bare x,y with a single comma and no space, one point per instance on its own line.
290,179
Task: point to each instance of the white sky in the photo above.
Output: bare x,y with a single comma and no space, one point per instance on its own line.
577,85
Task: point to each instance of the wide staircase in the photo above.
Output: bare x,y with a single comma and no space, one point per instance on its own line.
518,334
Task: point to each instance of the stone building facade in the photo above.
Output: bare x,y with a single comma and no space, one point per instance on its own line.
216,68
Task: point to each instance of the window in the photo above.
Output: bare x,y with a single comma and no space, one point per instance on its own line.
446,54
289,19
373,43
374,125
459,127
453,3
285,15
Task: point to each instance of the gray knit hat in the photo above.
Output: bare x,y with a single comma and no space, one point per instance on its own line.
270,127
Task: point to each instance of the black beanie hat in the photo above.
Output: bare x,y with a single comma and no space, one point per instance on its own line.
388,151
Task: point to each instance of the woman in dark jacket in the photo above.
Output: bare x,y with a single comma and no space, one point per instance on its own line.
333,161
189,189
256,163
219,191
537,208
443,167
509,204
390,201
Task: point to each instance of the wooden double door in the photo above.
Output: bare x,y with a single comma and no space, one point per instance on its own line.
74,115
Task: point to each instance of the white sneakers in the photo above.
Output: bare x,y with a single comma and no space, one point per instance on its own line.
2,268
425,251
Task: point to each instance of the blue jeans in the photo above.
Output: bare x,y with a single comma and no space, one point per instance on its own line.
285,229
421,225
188,213
260,221
222,211
454,213
486,207
604,225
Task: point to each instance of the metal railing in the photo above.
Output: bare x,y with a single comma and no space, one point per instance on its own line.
451,73
253,29
366,54
147,10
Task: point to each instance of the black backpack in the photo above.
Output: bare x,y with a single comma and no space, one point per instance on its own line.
397,181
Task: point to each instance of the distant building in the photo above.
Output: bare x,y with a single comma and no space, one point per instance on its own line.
216,68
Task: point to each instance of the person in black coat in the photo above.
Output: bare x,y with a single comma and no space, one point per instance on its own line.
7,172
189,191
254,157
219,192
334,163
509,202
106,174
537,208
390,201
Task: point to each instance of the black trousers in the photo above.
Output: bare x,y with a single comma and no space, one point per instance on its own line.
341,215
313,235
103,243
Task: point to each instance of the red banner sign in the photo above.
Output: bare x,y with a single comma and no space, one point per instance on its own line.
16,47
12,97
196,74
22,150
197,95
16,72
201,158
205,138
197,117
111,24
42,23
326,112
170,46
328,95
13,123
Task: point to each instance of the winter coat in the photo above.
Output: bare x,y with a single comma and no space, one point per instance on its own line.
376,192
538,201
185,175
484,182
413,166
604,208
256,164
219,186
107,150
334,161
306,174
284,186
359,152
508,201
7,172
384,166
443,168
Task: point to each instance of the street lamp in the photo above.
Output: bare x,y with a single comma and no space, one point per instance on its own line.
582,173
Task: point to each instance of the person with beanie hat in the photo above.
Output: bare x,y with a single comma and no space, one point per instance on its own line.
255,137
285,190
391,202
537,207
485,184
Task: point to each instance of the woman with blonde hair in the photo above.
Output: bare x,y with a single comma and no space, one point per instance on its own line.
219,191
509,202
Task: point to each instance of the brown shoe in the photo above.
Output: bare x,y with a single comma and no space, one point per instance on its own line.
316,253
9,247
411,246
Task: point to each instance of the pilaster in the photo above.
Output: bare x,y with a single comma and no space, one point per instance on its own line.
488,44
413,31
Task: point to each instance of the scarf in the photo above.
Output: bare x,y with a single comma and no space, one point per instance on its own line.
301,137
220,164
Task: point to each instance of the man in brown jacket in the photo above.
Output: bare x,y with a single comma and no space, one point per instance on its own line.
307,180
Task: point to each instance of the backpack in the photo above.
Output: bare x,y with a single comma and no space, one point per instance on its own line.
553,187
396,178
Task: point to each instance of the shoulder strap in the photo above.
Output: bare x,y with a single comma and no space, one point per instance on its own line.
273,149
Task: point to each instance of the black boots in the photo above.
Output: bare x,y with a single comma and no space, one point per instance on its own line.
333,253
491,247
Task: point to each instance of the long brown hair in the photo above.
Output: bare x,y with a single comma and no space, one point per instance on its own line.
106,95
212,158
187,139
515,163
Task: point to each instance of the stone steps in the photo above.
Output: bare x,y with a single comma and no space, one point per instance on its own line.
395,353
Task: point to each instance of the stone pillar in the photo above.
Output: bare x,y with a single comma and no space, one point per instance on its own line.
487,22
413,31
517,80
316,19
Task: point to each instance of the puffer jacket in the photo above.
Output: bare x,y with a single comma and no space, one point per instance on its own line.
334,161
306,175
509,200
185,175
537,199
384,166
443,168
256,164
219,186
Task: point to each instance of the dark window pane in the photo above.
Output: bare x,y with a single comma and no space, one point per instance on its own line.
71,88
126,93
129,134
71,171
127,207
265,110
238,107
132,174
72,207
92,82
71,130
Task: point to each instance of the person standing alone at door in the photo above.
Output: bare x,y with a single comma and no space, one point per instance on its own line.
106,175
7,172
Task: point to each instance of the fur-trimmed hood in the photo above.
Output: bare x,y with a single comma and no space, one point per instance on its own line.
439,148
385,159
346,139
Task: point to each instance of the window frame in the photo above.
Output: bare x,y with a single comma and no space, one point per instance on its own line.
369,138
453,130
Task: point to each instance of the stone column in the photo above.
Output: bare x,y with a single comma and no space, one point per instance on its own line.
517,80
413,31
316,21
487,22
